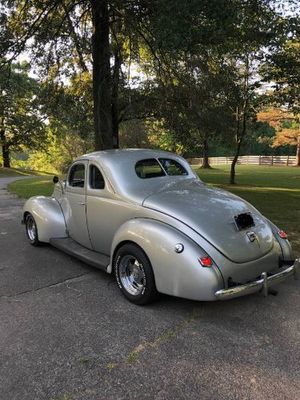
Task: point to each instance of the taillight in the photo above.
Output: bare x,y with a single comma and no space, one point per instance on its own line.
206,261
283,235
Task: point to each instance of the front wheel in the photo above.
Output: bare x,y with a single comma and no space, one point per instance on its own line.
134,275
31,230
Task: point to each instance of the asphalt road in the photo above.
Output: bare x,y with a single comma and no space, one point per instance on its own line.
67,333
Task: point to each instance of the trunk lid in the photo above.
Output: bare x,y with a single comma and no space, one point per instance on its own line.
210,212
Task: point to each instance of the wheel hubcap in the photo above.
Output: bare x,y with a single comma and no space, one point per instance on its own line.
132,275
31,228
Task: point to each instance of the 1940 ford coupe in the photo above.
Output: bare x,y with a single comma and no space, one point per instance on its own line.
145,216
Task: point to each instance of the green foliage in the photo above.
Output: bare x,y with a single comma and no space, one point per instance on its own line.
282,68
133,134
160,137
61,150
21,114
193,60
70,107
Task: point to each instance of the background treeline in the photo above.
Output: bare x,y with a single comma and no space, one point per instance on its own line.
202,78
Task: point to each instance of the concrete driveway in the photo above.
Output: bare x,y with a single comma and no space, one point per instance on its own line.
67,333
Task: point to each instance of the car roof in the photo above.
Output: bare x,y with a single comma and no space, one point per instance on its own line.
118,166
127,154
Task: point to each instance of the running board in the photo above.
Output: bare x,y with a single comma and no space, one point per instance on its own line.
69,246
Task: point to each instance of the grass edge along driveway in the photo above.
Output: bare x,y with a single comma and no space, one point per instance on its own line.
36,186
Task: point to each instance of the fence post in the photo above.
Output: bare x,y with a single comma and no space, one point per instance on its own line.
287,160
259,160
272,160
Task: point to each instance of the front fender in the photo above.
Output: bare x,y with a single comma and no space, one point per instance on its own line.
177,274
48,216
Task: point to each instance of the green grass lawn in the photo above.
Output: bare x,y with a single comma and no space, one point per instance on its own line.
26,188
275,191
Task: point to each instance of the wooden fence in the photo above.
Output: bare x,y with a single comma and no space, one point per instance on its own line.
249,160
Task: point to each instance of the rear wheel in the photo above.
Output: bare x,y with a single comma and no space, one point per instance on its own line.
31,230
134,275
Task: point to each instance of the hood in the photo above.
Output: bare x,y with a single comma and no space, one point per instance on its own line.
210,212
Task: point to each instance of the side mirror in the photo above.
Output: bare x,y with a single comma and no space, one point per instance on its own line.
56,180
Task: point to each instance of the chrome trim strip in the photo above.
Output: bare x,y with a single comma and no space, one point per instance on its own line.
261,284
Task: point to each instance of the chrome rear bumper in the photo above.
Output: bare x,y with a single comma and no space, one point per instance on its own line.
261,284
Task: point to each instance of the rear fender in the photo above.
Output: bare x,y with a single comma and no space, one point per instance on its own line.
48,216
285,245
177,274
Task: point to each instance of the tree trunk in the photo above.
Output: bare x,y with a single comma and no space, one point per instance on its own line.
5,149
114,100
240,138
234,161
240,135
205,161
298,152
101,75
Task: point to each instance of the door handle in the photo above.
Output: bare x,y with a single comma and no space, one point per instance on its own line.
81,204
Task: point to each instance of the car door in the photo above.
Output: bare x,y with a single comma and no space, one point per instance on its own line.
74,204
105,211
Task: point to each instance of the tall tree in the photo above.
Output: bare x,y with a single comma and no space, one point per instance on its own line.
261,28
102,82
282,70
21,116
243,105
104,37
286,125
69,38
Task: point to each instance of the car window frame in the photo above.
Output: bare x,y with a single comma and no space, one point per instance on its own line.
77,189
101,172
157,159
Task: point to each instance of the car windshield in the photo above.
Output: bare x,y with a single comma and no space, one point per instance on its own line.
152,168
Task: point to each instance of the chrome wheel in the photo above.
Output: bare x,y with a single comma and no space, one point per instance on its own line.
132,275
31,228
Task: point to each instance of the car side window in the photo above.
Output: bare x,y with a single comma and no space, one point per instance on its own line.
77,175
96,178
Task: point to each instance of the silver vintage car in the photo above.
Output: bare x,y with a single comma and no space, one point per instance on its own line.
146,217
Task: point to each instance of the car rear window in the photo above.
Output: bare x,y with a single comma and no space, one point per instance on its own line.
152,168
149,168
172,167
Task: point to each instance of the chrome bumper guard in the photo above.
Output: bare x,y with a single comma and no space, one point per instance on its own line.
261,284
